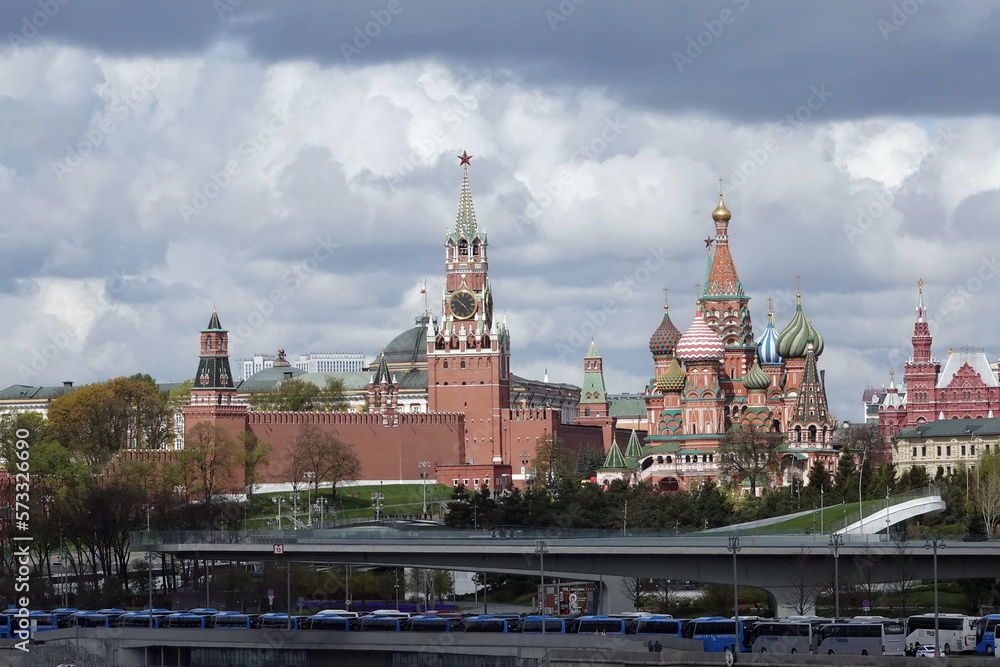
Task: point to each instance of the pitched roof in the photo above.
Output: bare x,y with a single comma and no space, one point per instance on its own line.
614,459
634,449
952,428
978,363
630,406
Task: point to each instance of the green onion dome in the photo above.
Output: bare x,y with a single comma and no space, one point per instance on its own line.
664,339
756,379
793,339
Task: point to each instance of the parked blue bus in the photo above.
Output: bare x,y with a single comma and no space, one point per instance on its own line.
656,625
277,621
230,620
427,623
533,625
598,625
488,624
378,623
986,631
182,619
91,619
140,619
327,622
718,633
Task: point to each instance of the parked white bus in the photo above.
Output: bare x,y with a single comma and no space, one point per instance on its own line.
957,632
785,637
861,638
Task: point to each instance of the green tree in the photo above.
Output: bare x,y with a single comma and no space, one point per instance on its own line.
588,461
986,491
845,479
211,456
749,453
819,478
554,464
326,457
294,395
254,455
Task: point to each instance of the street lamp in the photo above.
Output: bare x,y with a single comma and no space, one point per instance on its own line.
734,547
836,541
541,549
861,474
377,501
310,476
277,499
322,512
424,465
524,468
935,544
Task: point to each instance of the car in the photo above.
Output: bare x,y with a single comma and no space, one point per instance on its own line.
925,651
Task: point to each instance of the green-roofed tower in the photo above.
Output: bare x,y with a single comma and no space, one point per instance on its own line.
634,448
614,460
213,365
593,396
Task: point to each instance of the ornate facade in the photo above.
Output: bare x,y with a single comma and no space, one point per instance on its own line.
967,387
717,375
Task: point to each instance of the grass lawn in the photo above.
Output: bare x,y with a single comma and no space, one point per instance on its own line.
355,502
801,524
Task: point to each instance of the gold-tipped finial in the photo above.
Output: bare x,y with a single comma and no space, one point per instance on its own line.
770,306
798,288
920,285
666,294
721,213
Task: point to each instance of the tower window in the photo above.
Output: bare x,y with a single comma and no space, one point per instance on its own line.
462,364
463,248
446,364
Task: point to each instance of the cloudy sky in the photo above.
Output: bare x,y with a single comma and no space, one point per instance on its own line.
294,163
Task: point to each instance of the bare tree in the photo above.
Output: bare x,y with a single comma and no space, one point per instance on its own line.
212,456
804,584
903,584
749,453
986,492
632,588
329,459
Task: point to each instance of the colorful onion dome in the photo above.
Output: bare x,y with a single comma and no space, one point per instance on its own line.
756,379
673,378
664,339
767,344
792,341
700,342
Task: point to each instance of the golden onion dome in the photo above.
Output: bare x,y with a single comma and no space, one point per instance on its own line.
721,213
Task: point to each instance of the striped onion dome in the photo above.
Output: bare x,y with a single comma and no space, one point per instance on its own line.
664,339
793,339
767,344
756,379
673,379
700,342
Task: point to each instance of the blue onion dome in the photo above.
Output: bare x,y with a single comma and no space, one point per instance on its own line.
756,379
793,339
767,344
664,339
673,379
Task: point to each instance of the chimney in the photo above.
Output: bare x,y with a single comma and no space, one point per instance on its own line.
68,383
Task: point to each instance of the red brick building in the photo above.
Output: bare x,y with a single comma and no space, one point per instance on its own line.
473,429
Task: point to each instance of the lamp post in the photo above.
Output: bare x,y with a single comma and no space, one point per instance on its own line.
734,547
524,468
310,476
822,526
377,501
935,544
541,549
322,512
836,541
277,499
424,465
861,507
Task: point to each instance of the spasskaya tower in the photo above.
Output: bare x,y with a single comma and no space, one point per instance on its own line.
468,353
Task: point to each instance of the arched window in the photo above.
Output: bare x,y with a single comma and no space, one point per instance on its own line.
463,248
461,365
812,433
446,364
798,434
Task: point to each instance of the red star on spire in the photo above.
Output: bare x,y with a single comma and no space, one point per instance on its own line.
464,157
708,242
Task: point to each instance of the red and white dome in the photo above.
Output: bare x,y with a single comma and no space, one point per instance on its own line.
700,343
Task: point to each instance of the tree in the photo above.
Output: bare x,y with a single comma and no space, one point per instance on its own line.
98,420
632,588
588,461
212,456
254,456
819,478
903,584
329,459
986,492
553,463
749,453
843,479
803,584
295,395
865,441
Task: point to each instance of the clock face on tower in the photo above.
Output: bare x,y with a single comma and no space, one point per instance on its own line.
462,304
